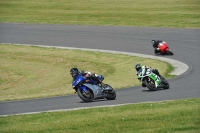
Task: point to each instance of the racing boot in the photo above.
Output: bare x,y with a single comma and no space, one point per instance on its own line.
157,52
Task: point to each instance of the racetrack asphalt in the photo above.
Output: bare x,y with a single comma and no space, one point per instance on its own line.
185,43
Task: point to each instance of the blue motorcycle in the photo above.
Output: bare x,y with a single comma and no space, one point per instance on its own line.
89,92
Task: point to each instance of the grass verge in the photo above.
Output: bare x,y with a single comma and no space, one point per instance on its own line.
145,13
180,116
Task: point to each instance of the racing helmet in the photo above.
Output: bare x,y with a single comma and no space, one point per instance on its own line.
74,71
138,67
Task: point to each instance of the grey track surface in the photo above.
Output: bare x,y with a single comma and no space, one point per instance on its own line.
185,43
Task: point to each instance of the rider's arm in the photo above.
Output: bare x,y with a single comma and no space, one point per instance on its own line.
86,73
146,67
157,43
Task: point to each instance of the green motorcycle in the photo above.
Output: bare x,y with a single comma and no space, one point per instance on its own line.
151,80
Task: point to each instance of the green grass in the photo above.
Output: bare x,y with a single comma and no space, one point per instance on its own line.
148,13
180,116
31,72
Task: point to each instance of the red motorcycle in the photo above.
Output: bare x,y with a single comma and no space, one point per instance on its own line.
164,49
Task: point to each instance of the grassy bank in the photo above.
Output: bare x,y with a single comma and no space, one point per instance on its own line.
148,13
180,116
30,72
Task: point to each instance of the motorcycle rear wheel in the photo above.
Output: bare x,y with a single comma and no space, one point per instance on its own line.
166,85
170,53
111,94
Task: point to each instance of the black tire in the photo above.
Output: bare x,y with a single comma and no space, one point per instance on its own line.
110,95
170,53
166,85
150,84
85,97
165,82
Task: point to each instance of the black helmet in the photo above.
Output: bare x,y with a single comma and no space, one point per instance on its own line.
74,71
138,66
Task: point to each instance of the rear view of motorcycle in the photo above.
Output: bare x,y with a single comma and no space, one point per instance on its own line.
161,48
89,92
152,81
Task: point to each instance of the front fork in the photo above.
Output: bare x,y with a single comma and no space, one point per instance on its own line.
82,87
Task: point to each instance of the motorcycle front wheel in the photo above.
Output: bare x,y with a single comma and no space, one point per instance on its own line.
85,96
150,84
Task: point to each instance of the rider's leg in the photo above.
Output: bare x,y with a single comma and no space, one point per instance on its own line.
156,51
156,72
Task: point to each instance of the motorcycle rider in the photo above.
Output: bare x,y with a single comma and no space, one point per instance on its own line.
155,45
88,76
139,66
94,76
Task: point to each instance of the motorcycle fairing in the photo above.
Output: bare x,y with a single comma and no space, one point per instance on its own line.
156,79
83,88
97,90
142,73
163,47
78,79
